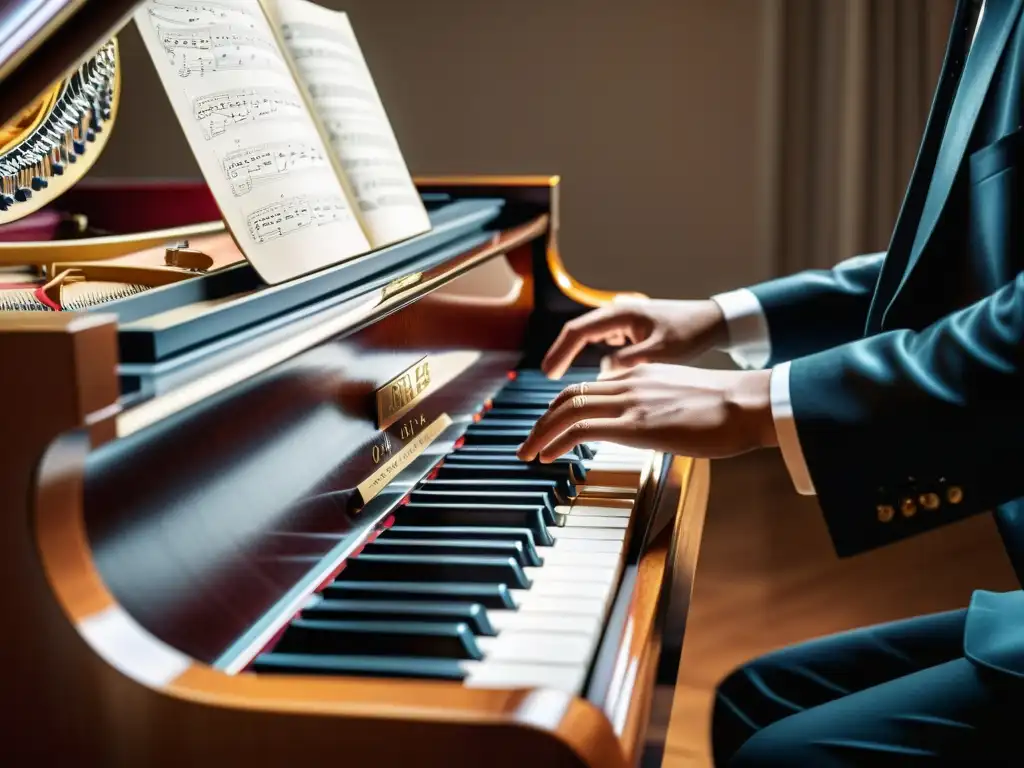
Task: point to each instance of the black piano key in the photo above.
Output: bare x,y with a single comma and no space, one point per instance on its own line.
488,497
508,457
580,373
532,518
551,487
511,424
513,413
358,666
581,451
472,614
572,473
454,568
449,640
493,437
524,536
473,547
477,503
526,402
488,595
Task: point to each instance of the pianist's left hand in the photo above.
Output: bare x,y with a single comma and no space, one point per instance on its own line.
671,408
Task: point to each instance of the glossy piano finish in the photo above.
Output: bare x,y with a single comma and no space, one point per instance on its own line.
140,557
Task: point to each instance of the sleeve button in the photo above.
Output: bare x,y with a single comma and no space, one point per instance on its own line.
929,500
885,513
908,507
954,494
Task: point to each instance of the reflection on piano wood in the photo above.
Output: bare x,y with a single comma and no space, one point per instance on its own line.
206,573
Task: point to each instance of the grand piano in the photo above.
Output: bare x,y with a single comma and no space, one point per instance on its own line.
263,525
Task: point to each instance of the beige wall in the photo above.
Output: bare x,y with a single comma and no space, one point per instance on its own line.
649,109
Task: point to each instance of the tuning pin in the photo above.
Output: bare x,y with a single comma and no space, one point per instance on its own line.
79,147
38,183
57,169
22,194
90,135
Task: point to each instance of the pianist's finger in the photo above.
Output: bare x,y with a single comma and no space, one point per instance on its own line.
608,322
617,429
563,416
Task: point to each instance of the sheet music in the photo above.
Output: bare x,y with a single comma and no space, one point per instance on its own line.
252,135
329,61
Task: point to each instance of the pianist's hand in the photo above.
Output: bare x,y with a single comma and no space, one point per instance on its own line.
649,331
671,408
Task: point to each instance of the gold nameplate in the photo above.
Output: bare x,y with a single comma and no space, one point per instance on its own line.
400,284
398,396
418,443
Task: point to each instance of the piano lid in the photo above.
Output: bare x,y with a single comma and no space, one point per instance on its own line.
41,41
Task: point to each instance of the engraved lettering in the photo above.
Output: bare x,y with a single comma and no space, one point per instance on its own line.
402,393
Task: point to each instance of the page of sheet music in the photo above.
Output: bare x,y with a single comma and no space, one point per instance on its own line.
330,62
253,137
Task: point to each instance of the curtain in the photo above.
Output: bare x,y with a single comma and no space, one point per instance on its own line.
847,85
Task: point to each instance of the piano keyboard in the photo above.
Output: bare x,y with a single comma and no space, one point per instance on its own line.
492,572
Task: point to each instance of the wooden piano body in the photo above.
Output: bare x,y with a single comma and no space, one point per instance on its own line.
179,473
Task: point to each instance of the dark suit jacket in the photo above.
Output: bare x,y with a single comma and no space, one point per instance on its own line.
907,380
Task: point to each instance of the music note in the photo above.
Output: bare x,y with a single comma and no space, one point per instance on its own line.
218,48
263,163
324,50
219,112
298,32
295,214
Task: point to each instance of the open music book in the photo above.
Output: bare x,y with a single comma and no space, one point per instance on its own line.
281,112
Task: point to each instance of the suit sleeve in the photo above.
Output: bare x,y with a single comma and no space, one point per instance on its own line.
909,430
818,309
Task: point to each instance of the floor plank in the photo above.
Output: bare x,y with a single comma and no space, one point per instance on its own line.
767,577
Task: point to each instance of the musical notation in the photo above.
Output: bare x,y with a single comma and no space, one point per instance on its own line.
325,54
250,166
218,48
335,90
294,214
219,112
196,11
361,138
296,32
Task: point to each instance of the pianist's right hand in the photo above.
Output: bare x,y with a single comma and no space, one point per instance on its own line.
647,330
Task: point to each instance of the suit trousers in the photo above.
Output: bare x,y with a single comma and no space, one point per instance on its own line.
900,693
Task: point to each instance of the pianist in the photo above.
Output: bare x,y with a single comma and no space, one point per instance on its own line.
893,386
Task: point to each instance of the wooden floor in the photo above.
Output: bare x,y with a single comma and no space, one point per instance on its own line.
767,577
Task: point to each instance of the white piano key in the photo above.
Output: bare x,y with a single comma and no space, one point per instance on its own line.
537,647
586,509
561,677
581,532
567,589
574,605
558,556
625,478
595,521
606,491
537,621
583,545
573,573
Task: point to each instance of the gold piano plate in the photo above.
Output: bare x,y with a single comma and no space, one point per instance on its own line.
402,393
379,480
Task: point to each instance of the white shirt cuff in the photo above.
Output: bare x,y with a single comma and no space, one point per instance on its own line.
785,430
749,343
